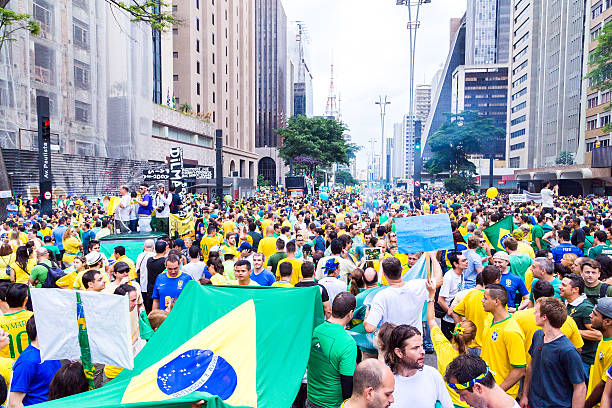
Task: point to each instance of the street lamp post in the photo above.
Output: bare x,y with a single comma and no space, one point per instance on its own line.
413,25
383,110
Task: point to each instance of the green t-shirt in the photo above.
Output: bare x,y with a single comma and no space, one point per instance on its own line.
538,232
581,315
39,273
519,263
588,243
556,284
333,353
594,292
274,259
54,250
600,249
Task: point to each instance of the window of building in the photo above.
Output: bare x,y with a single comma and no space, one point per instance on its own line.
604,120
522,66
213,77
175,31
519,94
517,146
515,162
197,24
518,120
214,97
178,103
197,67
198,88
519,107
521,40
197,45
519,81
174,54
598,143
596,10
80,33
518,133
81,75
595,33
197,4
520,54
175,77
81,111
591,123
43,14
213,19
214,116
213,58
198,107
174,9
213,39
605,97
592,101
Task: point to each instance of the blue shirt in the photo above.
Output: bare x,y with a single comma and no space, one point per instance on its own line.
12,209
513,283
58,235
469,274
319,244
264,278
167,289
146,209
565,248
32,377
86,237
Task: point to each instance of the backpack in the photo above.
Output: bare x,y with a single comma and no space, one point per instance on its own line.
54,273
603,289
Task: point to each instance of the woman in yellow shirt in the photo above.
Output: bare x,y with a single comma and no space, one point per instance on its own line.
446,351
72,246
78,265
24,262
14,240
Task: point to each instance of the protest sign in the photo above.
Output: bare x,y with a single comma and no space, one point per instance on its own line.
517,198
424,233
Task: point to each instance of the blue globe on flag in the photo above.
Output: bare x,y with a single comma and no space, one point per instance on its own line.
502,238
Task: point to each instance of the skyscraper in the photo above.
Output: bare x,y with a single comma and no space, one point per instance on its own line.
422,104
487,32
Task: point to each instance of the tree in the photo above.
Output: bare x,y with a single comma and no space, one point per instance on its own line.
600,63
345,178
310,143
261,181
185,108
565,157
461,135
10,22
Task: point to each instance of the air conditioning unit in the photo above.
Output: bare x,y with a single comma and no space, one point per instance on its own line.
234,174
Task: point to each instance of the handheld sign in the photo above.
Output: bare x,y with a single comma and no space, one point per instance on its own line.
424,233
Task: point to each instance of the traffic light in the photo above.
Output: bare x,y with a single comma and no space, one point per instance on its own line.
417,135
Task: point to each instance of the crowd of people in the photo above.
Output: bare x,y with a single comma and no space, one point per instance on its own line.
524,322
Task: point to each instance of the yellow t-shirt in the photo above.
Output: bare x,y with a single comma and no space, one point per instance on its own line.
282,285
6,369
46,232
228,226
503,348
471,309
264,226
603,360
526,249
22,276
66,281
296,264
206,244
218,279
15,325
528,279
267,246
526,321
72,247
445,353
124,258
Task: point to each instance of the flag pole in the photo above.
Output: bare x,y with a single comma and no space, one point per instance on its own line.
88,367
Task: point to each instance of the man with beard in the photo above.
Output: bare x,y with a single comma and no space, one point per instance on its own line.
373,385
416,385
470,376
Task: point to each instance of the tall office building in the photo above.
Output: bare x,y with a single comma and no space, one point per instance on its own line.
487,32
398,152
214,73
422,105
598,103
302,84
546,72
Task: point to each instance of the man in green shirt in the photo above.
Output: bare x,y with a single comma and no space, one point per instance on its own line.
54,252
537,234
594,289
519,262
279,255
599,245
333,357
580,309
38,275
544,268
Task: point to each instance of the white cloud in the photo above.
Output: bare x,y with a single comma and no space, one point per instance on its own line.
369,44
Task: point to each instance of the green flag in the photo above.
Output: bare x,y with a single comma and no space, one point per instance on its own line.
230,346
499,231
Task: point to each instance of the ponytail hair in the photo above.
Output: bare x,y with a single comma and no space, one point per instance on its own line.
463,334
356,281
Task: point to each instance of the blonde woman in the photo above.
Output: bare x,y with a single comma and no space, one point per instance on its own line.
72,246
14,240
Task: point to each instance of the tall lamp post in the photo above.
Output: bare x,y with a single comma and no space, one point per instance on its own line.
383,110
414,7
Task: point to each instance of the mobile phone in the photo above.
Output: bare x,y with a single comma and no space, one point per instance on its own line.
372,254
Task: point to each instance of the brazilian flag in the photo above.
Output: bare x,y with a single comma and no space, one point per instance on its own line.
499,231
229,346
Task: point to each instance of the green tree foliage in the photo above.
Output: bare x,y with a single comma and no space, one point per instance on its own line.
345,178
310,143
565,158
462,135
600,64
10,22
458,184
147,11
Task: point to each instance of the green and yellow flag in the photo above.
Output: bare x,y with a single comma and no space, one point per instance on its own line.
182,227
499,231
229,346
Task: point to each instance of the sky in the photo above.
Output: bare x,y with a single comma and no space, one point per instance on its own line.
368,44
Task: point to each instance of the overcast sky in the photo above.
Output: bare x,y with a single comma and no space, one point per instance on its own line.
368,42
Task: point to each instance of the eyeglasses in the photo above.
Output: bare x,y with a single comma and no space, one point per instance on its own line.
469,384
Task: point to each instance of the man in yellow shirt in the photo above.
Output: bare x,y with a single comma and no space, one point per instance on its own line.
267,245
527,321
285,272
119,256
209,241
296,264
601,319
503,342
14,321
229,225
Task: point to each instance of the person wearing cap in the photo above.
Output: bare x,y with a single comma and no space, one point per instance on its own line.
522,247
245,251
332,284
121,272
511,282
119,256
601,319
162,209
94,261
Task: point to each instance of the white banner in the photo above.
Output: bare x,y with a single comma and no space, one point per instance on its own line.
107,318
517,198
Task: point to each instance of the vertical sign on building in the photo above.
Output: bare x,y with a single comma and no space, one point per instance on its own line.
44,155
176,168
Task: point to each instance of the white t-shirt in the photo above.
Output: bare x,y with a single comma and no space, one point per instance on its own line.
163,201
403,305
141,265
195,270
422,390
547,197
346,267
452,285
334,286
123,214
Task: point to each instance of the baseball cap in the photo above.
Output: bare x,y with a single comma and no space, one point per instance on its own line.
93,258
518,234
179,243
604,306
245,246
502,255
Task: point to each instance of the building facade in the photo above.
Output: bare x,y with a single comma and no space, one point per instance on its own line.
214,73
546,81
487,32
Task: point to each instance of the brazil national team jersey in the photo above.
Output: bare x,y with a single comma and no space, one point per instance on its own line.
15,325
168,289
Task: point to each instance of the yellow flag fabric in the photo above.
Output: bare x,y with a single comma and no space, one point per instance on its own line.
182,226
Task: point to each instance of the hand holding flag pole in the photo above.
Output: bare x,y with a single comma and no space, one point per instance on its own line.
88,367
